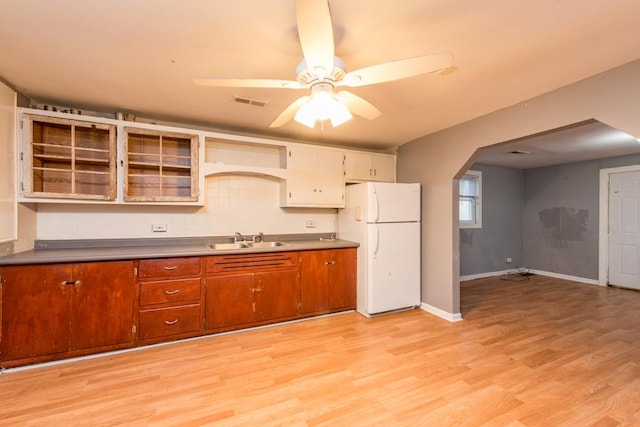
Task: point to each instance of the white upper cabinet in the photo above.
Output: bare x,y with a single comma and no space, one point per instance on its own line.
160,166
85,159
363,166
315,178
71,158
68,159
8,206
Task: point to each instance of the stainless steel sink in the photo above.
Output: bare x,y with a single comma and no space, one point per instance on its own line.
245,245
228,246
266,244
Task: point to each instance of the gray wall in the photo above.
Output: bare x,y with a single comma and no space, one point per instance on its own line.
438,159
560,219
544,218
485,249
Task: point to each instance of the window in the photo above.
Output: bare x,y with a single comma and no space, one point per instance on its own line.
471,200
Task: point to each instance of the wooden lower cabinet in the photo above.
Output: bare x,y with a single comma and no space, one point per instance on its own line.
66,310
229,301
55,311
251,290
328,280
276,294
170,321
170,299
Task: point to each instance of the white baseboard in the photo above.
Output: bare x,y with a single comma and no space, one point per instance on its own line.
566,277
451,317
532,271
485,275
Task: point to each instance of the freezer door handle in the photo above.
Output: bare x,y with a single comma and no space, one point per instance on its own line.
376,206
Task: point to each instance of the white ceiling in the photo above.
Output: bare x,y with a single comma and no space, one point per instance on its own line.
140,56
580,142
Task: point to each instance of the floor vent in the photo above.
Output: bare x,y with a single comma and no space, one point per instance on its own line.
249,101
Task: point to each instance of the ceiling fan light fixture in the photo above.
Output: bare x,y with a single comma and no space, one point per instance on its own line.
323,105
306,116
340,114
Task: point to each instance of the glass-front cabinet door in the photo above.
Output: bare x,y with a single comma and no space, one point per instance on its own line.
66,158
160,166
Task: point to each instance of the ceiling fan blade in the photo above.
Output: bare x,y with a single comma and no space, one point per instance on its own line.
396,70
289,112
315,31
357,105
259,83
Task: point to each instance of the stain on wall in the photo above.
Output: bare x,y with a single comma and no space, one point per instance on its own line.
562,225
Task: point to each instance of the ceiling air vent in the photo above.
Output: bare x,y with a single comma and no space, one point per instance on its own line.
519,152
249,101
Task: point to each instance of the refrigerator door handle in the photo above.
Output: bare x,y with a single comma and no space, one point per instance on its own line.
376,241
376,206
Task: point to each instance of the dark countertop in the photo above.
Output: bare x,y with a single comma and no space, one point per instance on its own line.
56,251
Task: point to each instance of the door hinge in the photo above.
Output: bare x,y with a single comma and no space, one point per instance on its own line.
21,155
1,280
21,124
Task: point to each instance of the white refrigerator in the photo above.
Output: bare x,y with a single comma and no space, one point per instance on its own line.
385,219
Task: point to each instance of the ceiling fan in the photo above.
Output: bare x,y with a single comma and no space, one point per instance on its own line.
321,72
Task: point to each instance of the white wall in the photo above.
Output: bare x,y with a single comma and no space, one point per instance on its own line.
247,204
437,160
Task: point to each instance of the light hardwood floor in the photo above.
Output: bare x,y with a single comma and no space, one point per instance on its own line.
539,352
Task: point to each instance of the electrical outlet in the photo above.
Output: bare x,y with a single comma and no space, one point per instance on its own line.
159,228
311,223
509,260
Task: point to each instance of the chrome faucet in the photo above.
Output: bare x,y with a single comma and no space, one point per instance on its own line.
258,237
238,237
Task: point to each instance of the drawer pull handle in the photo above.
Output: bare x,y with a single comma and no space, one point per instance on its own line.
70,282
170,322
170,268
173,292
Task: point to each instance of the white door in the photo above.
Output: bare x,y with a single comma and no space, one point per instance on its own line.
393,255
624,229
393,202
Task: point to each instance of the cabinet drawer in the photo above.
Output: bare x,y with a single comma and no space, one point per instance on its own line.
169,291
169,321
167,267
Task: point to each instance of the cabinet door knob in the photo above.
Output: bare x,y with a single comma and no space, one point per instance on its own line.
171,322
173,292
70,282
